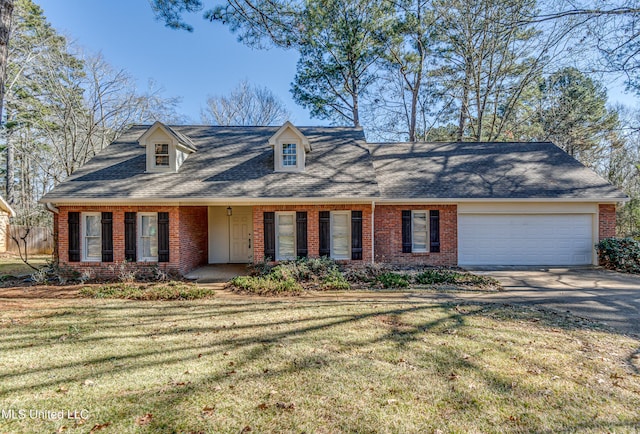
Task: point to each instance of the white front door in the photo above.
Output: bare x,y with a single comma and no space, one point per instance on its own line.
240,238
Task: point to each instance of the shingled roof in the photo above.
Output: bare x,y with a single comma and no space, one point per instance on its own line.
237,163
471,170
231,162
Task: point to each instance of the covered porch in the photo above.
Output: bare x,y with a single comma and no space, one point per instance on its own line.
230,234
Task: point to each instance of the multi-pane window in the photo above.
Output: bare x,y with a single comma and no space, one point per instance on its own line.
148,241
162,155
420,231
340,234
91,237
289,156
285,236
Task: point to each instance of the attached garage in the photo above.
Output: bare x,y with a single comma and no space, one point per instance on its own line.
526,234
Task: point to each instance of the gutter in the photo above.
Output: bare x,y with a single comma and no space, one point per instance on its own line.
239,201
51,208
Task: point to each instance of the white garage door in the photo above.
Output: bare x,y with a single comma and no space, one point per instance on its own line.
498,239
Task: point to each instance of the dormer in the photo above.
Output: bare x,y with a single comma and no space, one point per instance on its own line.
166,148
290,148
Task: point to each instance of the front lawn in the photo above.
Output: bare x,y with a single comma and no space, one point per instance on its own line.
359,363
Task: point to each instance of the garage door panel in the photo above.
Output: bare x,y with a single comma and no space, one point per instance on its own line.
497,239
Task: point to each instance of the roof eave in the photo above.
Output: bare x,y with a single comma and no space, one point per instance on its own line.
270,200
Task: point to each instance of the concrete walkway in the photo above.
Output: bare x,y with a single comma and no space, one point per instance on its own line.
600,295
217,273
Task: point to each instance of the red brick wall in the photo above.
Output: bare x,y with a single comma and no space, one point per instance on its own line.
606,221
194,237
187,239
313,240
388,234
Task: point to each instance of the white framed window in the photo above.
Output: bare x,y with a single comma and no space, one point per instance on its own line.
161,155
289,155
91,236
148,237
285,235
341,234
420,231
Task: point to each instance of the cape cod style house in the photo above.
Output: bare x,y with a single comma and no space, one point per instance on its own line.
183,196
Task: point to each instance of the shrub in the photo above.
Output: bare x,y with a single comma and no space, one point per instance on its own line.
437,276
269,285
166,291
292,277
621,254
393,280
335,280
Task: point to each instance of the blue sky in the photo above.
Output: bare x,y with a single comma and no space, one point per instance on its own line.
188,65
208,61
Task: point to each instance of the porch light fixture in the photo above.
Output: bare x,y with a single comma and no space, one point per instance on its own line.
229,211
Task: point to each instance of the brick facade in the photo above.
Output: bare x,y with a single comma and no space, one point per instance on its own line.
313,216
606,221
188,234
388,233
188,237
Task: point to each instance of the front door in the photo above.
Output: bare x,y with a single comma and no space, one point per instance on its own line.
240,237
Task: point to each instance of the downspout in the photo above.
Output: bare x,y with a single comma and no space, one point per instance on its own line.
51,208
373,240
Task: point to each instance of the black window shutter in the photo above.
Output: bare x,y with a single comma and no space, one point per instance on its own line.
434,230
270,235
406,231
74,236
356,235
163,237
130,236
301,234
325,233
107,237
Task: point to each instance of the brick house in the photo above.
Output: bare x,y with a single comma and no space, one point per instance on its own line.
183,196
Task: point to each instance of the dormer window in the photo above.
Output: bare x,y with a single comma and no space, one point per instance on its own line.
290,149
166,148
162,155
289,155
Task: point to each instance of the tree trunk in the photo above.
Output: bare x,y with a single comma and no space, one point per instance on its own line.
10,180
6,11
464,104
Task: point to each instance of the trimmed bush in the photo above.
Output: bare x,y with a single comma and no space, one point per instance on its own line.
622,254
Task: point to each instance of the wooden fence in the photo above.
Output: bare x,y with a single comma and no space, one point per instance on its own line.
39,239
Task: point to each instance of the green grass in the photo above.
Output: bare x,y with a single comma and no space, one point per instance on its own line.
357,363
173,290
14,266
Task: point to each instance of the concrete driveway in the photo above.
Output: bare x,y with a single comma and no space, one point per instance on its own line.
601,295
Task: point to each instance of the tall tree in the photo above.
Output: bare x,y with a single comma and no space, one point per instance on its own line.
62,109
409,49
608,27
488,61
341,43
6,12
573,113
245,105
33,40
